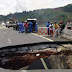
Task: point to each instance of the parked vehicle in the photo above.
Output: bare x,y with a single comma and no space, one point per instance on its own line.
11,23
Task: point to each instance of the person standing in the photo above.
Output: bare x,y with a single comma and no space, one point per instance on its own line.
26,27
47,25
56,27
30,27
62,25
51,28
34,23
20,27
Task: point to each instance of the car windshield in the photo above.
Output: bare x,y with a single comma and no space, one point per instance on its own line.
35,35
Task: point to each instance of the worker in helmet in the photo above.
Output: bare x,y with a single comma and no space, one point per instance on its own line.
47,25
61,26
51,28
56,27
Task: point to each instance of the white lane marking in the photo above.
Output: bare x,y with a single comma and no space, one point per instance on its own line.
23,71
3,27
43,37
44,64
9,41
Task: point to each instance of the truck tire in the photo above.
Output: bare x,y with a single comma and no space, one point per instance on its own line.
6,25
14,27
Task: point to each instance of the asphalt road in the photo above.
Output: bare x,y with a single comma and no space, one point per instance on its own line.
9,37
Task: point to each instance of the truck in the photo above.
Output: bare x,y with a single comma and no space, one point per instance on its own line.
34,21
11,22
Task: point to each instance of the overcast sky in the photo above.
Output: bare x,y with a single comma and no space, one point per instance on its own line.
11,6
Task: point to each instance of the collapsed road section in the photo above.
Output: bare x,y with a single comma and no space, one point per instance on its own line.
46,55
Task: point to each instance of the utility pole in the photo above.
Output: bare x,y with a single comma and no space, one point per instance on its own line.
17,6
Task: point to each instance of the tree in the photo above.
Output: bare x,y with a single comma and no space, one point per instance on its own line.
68,8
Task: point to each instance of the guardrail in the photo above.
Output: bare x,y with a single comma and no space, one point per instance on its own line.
44,31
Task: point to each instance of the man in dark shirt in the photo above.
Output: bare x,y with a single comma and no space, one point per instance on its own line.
61,25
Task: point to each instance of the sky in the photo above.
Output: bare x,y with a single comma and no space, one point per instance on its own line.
12,6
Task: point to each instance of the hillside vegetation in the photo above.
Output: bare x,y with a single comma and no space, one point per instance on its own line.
43,15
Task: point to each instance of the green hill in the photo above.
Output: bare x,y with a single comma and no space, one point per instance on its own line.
43,15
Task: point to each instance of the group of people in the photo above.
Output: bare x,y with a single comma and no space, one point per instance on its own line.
55,29
28,27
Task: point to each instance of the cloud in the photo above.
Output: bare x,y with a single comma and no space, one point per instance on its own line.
38,4
8,6
22,5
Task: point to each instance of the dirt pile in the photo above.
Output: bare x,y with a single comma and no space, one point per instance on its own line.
68,55
69,61
66,52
